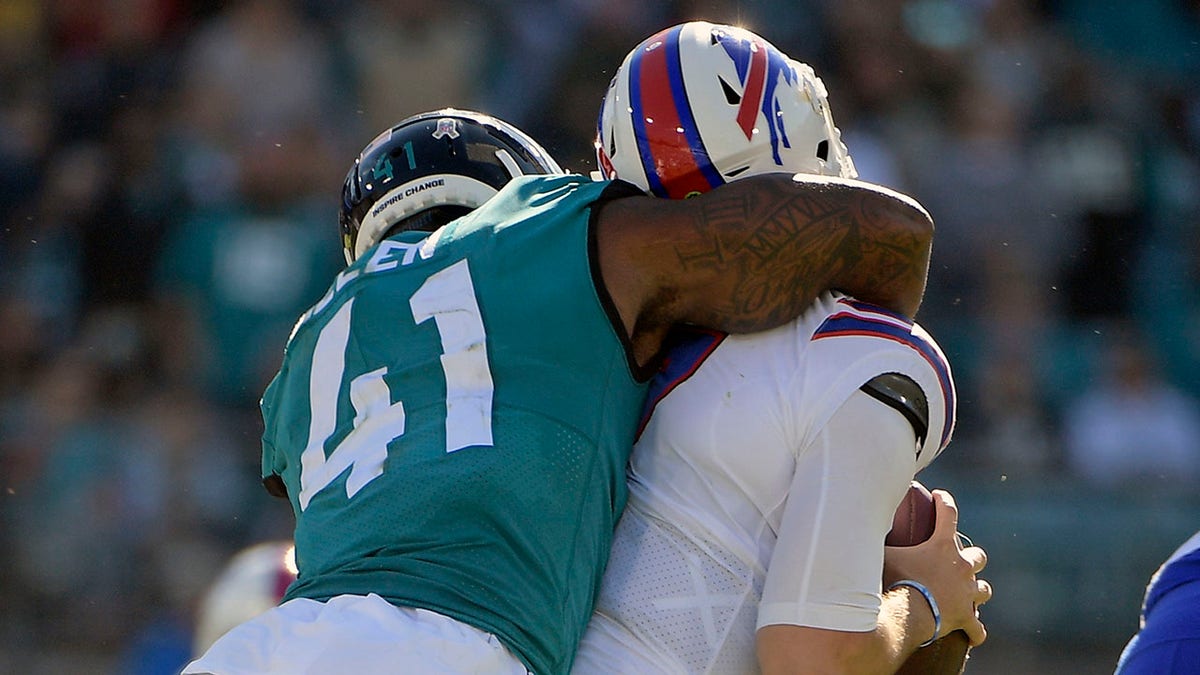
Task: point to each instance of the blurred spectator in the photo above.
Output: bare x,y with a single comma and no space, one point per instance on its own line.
109,472
1085,148
528,60
866,80
256,69
69,510
42,263
1167,279
26,133
143,194
1016,54
1131,425
1010,430
258,74
235,274
108,51
985,155
566,123
409,56
1156,38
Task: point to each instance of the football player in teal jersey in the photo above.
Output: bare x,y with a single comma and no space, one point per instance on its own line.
451,421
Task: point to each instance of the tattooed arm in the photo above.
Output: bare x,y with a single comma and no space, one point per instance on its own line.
753,254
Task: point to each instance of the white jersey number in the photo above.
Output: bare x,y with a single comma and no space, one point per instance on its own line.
447,297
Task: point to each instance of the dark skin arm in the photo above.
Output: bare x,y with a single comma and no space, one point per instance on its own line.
753,254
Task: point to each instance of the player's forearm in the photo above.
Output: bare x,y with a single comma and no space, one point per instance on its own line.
800,650
905,622
778,245
888,244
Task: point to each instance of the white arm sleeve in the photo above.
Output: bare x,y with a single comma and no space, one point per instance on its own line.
827,566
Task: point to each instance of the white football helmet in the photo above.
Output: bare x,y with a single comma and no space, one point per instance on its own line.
252,582
698,105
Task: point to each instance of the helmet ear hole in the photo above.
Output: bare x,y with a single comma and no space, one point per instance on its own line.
823,151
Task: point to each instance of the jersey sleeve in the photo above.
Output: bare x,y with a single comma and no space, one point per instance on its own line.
826,569
273,463
855,456
859,341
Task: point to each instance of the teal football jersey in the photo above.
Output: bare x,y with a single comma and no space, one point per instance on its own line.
453,418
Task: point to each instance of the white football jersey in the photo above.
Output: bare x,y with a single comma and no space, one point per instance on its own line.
761,489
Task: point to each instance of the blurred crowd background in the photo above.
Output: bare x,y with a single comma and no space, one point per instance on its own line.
169,180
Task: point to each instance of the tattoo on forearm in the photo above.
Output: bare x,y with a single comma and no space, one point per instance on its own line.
801,242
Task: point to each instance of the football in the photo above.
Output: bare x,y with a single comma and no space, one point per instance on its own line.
914,519
913,524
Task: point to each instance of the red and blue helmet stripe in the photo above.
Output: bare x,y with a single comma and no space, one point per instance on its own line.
661,112
759,68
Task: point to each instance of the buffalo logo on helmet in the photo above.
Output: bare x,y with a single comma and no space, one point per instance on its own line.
759,70
697,105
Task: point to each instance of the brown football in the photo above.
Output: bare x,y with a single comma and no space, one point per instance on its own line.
914,519
913,524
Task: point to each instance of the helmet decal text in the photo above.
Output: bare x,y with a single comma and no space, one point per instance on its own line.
382,169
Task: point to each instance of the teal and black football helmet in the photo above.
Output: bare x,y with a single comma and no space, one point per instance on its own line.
430,169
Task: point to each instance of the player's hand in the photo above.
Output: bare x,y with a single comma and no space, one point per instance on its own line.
948,569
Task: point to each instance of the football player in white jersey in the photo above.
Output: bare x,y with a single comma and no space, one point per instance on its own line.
770,465
253,581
